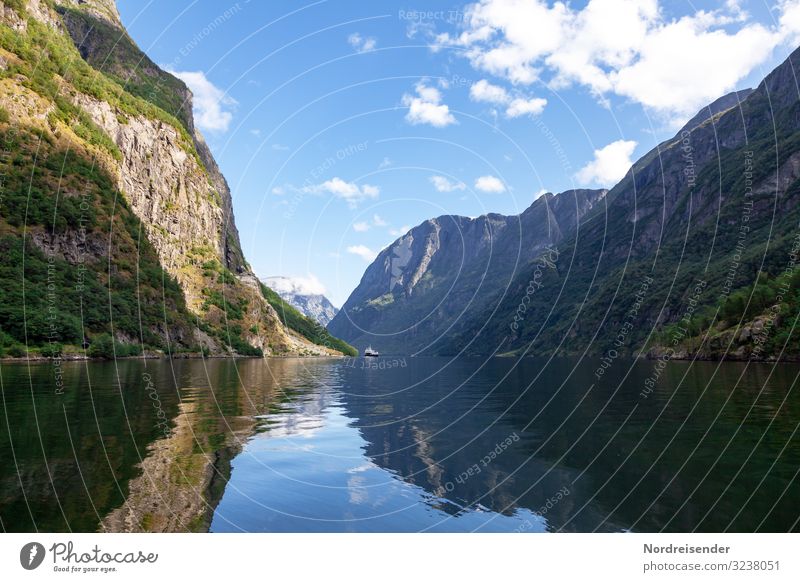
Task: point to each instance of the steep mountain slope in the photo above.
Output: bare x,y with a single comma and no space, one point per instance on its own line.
431,282
306,301
695,253
115,218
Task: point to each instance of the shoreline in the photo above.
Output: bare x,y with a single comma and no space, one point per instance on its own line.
39,359
652,357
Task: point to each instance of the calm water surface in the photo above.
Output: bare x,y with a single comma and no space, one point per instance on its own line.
422,444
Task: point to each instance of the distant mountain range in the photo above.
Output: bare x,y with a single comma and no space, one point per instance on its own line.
302,295
692,254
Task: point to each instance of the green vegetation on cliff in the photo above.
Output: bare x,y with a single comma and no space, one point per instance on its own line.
57,203
110,50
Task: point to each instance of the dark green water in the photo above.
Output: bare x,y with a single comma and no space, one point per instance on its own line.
410,445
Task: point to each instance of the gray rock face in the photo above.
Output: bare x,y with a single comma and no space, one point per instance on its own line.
305,300
435,277
172,194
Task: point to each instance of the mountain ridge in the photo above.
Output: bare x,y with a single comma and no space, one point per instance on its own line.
126,204
420,264
627,275
677,218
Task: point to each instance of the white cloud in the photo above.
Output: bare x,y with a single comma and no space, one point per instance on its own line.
364,252
385,163
517,106
370,191
308,285
399,231
609,166
278,191
484,91
361,44
280,147
442,184
349,191
377,221
520,107
540,193
211,104
427,107
490,184
631,48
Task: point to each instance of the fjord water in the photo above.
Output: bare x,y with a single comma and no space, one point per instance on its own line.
416,444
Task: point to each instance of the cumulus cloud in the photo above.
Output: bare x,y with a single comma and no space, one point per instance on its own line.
348,191
308,285
609,166
490,184
519,107
516,106
426,107
484,91
377,221
362,44
364,252
671,66
442,184
212,106
399,231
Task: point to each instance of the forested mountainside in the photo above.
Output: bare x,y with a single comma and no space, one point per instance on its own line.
116,225
692,254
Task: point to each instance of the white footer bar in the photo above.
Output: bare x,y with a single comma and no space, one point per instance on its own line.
389,557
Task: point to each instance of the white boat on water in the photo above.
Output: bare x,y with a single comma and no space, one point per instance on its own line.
370,353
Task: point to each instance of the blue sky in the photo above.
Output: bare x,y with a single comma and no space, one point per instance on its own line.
339,124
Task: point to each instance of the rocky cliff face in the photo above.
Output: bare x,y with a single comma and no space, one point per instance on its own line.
73,76
97,32
431,281
305,300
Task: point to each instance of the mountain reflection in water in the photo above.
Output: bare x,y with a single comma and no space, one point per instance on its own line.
435,445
